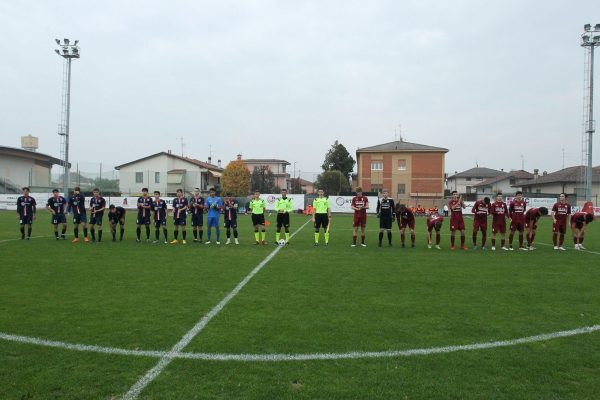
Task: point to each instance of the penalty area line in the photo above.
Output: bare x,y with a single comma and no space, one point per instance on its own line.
165,360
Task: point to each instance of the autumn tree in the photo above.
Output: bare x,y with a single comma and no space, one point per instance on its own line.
236,178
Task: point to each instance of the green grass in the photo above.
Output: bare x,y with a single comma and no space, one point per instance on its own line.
306,300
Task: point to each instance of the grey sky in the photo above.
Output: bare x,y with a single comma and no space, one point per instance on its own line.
275,79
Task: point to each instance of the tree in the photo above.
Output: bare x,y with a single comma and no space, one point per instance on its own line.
236,178
333,182
263,180
106,185
296,186
338,158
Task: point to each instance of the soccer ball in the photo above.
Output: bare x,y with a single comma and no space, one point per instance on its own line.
281,242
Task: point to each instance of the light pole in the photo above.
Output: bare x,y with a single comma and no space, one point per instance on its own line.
67,51
590,39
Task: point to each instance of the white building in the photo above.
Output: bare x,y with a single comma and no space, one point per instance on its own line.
507,182
464,182
20,168
167,172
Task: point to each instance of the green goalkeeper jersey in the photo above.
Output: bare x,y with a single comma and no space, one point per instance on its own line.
321,205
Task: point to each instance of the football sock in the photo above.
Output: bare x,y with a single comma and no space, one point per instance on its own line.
277,235
503,241
147,231
389,235
532,238
85,232
316,237
201,233
575,240
29,231
353,239
581,240
235,234
462,240
208,234
402,238
121,233
483,238
362,239
157,234
138,232
176,234
93,233
554,237
438,237
287,236
76,232
56,234
452,239
64,230
165,233
561,240
474,238
256,236
412,239
228,233
99,235
380,237
511,236
493,242
22,232
520,240
113,232
263,234
218,234
196,234
326,237
184,234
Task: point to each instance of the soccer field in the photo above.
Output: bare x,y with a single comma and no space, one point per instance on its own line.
154,321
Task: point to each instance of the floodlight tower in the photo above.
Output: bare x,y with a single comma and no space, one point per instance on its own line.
590,39
67,51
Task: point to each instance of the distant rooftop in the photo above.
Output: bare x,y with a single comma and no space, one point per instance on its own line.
199,163
566,175
519,174
478,172
401,146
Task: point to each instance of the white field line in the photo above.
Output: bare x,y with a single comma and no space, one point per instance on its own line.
300,357
18,239
570,248
165,360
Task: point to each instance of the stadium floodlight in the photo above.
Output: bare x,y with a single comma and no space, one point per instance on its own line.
69,51
590,39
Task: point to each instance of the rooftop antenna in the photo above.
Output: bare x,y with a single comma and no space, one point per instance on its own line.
563,158
522,162
182,145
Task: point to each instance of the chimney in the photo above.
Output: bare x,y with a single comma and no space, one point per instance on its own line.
219,163
209,160
545,173
536,173
168,151
239,156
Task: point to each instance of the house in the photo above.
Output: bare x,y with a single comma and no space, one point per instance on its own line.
277,167
506,182
568,180
464,182
167,172
307,187
21,167
413,173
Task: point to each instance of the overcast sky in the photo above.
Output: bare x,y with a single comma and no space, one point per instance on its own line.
491,81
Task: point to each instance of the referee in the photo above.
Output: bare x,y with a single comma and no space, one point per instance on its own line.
283,207
258,206
321,215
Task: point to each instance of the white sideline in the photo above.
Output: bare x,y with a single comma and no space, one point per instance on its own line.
298,357
165,360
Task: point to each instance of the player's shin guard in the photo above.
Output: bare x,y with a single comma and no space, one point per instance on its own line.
22,229
362,239
326,235
263,234
121,233
452,239
228,233
575,240
157,234
148,232
462,240
93,233
29,231
256,236
138,233
561,239
520,239
176,234
235,233
113,232
76,233
200,233
277,235
380,238
317,237
64,230
287,236
531,239
389,235
99,235
85,232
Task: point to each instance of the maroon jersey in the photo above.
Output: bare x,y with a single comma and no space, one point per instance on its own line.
499,211
432,220
480,210
360,202
532,215
517,211
578,218
561,212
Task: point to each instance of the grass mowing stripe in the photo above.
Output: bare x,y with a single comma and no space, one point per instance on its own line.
137,388
300,357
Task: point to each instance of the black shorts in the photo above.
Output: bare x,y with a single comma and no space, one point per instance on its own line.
180,221
258,219
25,220
79,218
230,223
283,220
321,220
385,222
160,222
197,220
96,219
114,221
58,219
143,220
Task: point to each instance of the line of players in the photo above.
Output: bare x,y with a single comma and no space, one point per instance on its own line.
155,211
522,221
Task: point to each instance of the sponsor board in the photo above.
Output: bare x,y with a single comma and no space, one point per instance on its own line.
341,204
270,199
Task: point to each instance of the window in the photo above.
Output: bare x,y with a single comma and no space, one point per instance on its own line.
401,165
376,188
139,177
468,179
376,165
157,177
401,188
512,181
468,189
